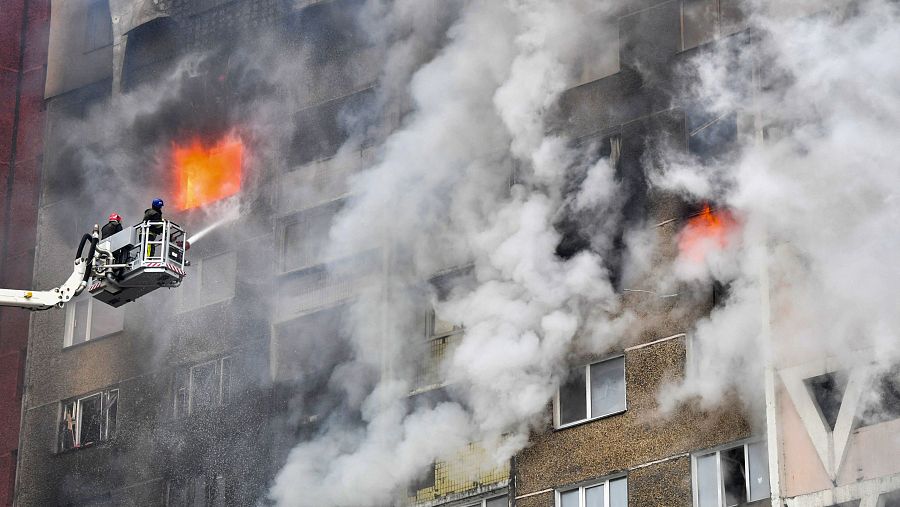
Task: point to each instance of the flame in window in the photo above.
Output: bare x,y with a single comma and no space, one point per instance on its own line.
207,174
709,231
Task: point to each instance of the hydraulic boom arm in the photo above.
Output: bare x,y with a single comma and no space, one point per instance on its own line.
59,296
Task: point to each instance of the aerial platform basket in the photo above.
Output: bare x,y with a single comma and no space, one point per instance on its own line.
143,258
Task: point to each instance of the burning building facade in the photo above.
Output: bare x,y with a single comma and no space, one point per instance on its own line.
363,324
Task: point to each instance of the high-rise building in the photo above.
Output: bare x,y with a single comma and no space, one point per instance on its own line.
197,395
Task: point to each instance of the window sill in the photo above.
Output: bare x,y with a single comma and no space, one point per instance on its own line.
98,445
585,421
92,340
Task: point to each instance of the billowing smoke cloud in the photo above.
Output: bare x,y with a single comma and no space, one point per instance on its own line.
471,179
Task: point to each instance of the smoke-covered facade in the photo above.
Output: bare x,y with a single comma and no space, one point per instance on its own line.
517,253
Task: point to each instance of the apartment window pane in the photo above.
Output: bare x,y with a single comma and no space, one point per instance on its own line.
707,481
68,426
700,20
594,497
112,410
105,320
204,386
98,29
305,240
734,476
569,499
500,501
608,387
572,398
91,416
618,493
79,322
759,471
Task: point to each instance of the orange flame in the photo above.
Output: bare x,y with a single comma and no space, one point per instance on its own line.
207,174
706,232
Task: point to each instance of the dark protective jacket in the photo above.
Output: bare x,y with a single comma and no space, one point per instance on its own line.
154,215
109,229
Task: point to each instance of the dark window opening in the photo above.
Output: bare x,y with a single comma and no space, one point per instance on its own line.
734,476
319,131
88,420
886,406
424,481
711,135
98,28
828,392
572,399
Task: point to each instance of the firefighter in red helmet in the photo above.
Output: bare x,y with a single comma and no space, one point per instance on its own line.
113,226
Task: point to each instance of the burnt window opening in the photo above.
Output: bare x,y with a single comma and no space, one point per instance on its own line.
827,392
330,30
424,481
320,130
732,476
89,420
711,135
203,386
886,406
98,26
151,48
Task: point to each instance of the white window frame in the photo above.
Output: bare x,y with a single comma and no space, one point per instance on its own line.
745,443
78,413
69,336
557,407
588,485
219,374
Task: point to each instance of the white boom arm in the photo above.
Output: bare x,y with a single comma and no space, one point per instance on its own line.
44,299
59,296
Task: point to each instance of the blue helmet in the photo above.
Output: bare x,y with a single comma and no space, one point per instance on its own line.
157,203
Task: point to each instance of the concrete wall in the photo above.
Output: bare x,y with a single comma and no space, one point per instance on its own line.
23,48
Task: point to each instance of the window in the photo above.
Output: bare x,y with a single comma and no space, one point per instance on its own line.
88,319
592,391
424,481
497,501
703,21
214,281
88,420
609,493
199,491
98,26
732,476
305,238
828,393
889,499
203,386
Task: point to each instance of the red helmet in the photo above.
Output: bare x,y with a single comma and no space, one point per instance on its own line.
115,217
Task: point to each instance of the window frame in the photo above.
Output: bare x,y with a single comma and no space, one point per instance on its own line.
484,500
557,407
77,414
71,309
745,443
329,209
581,487
188,373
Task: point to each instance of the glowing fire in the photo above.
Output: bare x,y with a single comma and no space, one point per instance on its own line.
708,231
207,173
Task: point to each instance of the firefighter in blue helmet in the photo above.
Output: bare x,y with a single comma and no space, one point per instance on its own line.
154,214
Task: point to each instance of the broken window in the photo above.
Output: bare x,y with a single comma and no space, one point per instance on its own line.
592,391
827,391
711,134
88,319
203,386
88,420
98,26
608,493
731,476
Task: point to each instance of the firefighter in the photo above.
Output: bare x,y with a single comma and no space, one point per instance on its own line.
113,226
153,214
